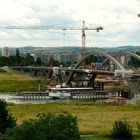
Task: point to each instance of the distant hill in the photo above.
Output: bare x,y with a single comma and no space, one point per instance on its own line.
30,49
120,48
129,48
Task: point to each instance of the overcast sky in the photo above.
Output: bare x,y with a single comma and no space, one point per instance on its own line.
118,18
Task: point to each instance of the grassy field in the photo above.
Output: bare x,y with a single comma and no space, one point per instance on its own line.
93,118
13,82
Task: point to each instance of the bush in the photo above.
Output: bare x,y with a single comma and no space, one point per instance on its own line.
138,125
6,120
121,130
45,127
2,71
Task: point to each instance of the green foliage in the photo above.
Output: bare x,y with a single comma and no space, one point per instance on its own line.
53,62
2,71
138,125
3,61
18,58
29,60
121,130
45,127
6,120
38,61
13,60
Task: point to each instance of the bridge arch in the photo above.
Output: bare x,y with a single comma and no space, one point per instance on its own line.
119,66
134,55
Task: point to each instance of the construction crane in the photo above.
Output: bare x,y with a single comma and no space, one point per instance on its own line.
84,40
83,29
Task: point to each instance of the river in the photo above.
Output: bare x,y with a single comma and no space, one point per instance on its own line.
11,99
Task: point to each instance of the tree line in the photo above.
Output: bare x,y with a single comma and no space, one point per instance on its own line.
43,127
18,60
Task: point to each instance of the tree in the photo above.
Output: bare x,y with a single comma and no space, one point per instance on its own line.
121,130
45,127
4,61
53,62
29,59
12,60
38,61
17,57
6,120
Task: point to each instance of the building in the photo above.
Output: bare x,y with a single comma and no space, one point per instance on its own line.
70,57
5,51
63,57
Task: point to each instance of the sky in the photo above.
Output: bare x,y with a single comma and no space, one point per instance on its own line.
118,18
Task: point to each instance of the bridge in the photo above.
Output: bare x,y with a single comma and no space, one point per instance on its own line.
79,75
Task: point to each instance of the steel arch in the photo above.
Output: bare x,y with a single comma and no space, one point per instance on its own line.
134,55
119,66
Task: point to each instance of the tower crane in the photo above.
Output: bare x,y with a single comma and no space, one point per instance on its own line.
83,29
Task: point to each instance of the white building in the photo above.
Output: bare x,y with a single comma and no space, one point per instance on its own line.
5,51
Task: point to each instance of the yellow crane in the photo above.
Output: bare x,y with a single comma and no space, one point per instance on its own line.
83,29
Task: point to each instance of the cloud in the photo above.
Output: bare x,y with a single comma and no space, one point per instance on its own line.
119,19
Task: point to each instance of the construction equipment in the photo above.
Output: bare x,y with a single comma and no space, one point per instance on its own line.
59,28
84,40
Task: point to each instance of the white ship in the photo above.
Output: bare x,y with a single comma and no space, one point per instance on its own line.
76,93
59,93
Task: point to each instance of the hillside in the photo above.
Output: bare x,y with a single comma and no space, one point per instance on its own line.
30,49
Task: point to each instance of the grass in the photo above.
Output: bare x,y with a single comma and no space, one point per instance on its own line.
94,138
93,118
104,138
14,76
13,82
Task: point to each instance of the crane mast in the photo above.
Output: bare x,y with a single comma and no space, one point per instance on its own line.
83,43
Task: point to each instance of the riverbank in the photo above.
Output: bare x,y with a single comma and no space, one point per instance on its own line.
93,118
15,82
